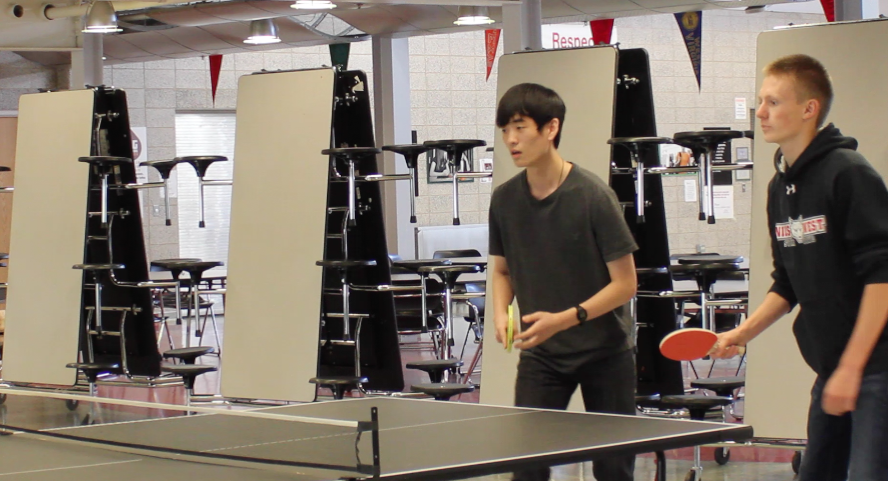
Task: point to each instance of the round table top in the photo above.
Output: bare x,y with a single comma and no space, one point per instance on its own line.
709,259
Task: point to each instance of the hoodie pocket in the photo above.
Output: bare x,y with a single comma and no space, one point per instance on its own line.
822,330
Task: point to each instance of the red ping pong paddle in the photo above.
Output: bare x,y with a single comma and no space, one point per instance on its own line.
690,344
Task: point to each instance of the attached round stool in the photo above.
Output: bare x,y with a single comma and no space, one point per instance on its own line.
722,386
704,144
339,384
95,269
164,168
103,166
697,407
92,370
201,163
415,267
351,155
650,401
705,270
435,367
455,149
448,275
442,391
638,146
196,270
188,354
411,153
174,265
189,373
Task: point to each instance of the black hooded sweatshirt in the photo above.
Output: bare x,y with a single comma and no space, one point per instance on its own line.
828,218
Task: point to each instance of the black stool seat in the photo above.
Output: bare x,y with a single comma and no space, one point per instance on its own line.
442,391
451,269
449,274
709,259
415,265
196,269
647,400
435,367
98,267
163,167
351,152
188,354
705,139
450,145
93,369
189,372
410,152
201,162
721,386
174,265
106,161
696,404
345,263
338,384
639,140
642,273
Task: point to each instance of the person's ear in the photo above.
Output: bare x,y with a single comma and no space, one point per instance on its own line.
552,129
812,109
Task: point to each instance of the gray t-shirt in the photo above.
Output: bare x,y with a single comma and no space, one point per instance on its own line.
557,250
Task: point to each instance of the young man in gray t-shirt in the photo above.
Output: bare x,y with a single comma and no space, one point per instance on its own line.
560,245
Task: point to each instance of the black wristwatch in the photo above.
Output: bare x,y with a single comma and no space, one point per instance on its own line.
581,314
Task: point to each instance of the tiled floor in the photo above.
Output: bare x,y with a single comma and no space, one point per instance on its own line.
747,463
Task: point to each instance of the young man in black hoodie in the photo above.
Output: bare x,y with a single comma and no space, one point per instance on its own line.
828,218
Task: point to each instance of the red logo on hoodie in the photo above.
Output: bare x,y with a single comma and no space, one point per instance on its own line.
800,231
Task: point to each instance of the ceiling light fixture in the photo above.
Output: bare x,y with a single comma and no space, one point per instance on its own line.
313,5
101,18
472,16
263,32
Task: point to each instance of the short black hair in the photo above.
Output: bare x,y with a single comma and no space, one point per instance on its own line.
540,103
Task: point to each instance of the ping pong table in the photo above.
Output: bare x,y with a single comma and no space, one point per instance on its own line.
402,439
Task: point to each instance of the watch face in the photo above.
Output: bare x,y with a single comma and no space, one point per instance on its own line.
581,314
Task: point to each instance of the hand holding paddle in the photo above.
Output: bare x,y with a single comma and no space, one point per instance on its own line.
690,344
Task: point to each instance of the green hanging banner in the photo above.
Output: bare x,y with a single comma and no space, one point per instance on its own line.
339,54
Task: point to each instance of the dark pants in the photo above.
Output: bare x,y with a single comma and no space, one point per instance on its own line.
853,446
608,386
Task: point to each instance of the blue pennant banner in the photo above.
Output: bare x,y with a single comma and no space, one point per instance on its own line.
690,24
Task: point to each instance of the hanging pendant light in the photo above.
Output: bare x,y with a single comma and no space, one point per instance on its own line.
313,5
263,32
101,18
473,16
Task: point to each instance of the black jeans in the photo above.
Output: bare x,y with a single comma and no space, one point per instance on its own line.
608,386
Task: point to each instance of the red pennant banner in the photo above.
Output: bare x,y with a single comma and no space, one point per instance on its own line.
215,68
491,42
602,30
829,9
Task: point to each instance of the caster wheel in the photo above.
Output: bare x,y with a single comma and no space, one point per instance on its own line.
722,456
71,404
796,462
691,476
2,398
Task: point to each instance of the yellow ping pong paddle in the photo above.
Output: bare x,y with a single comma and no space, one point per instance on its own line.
510,330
